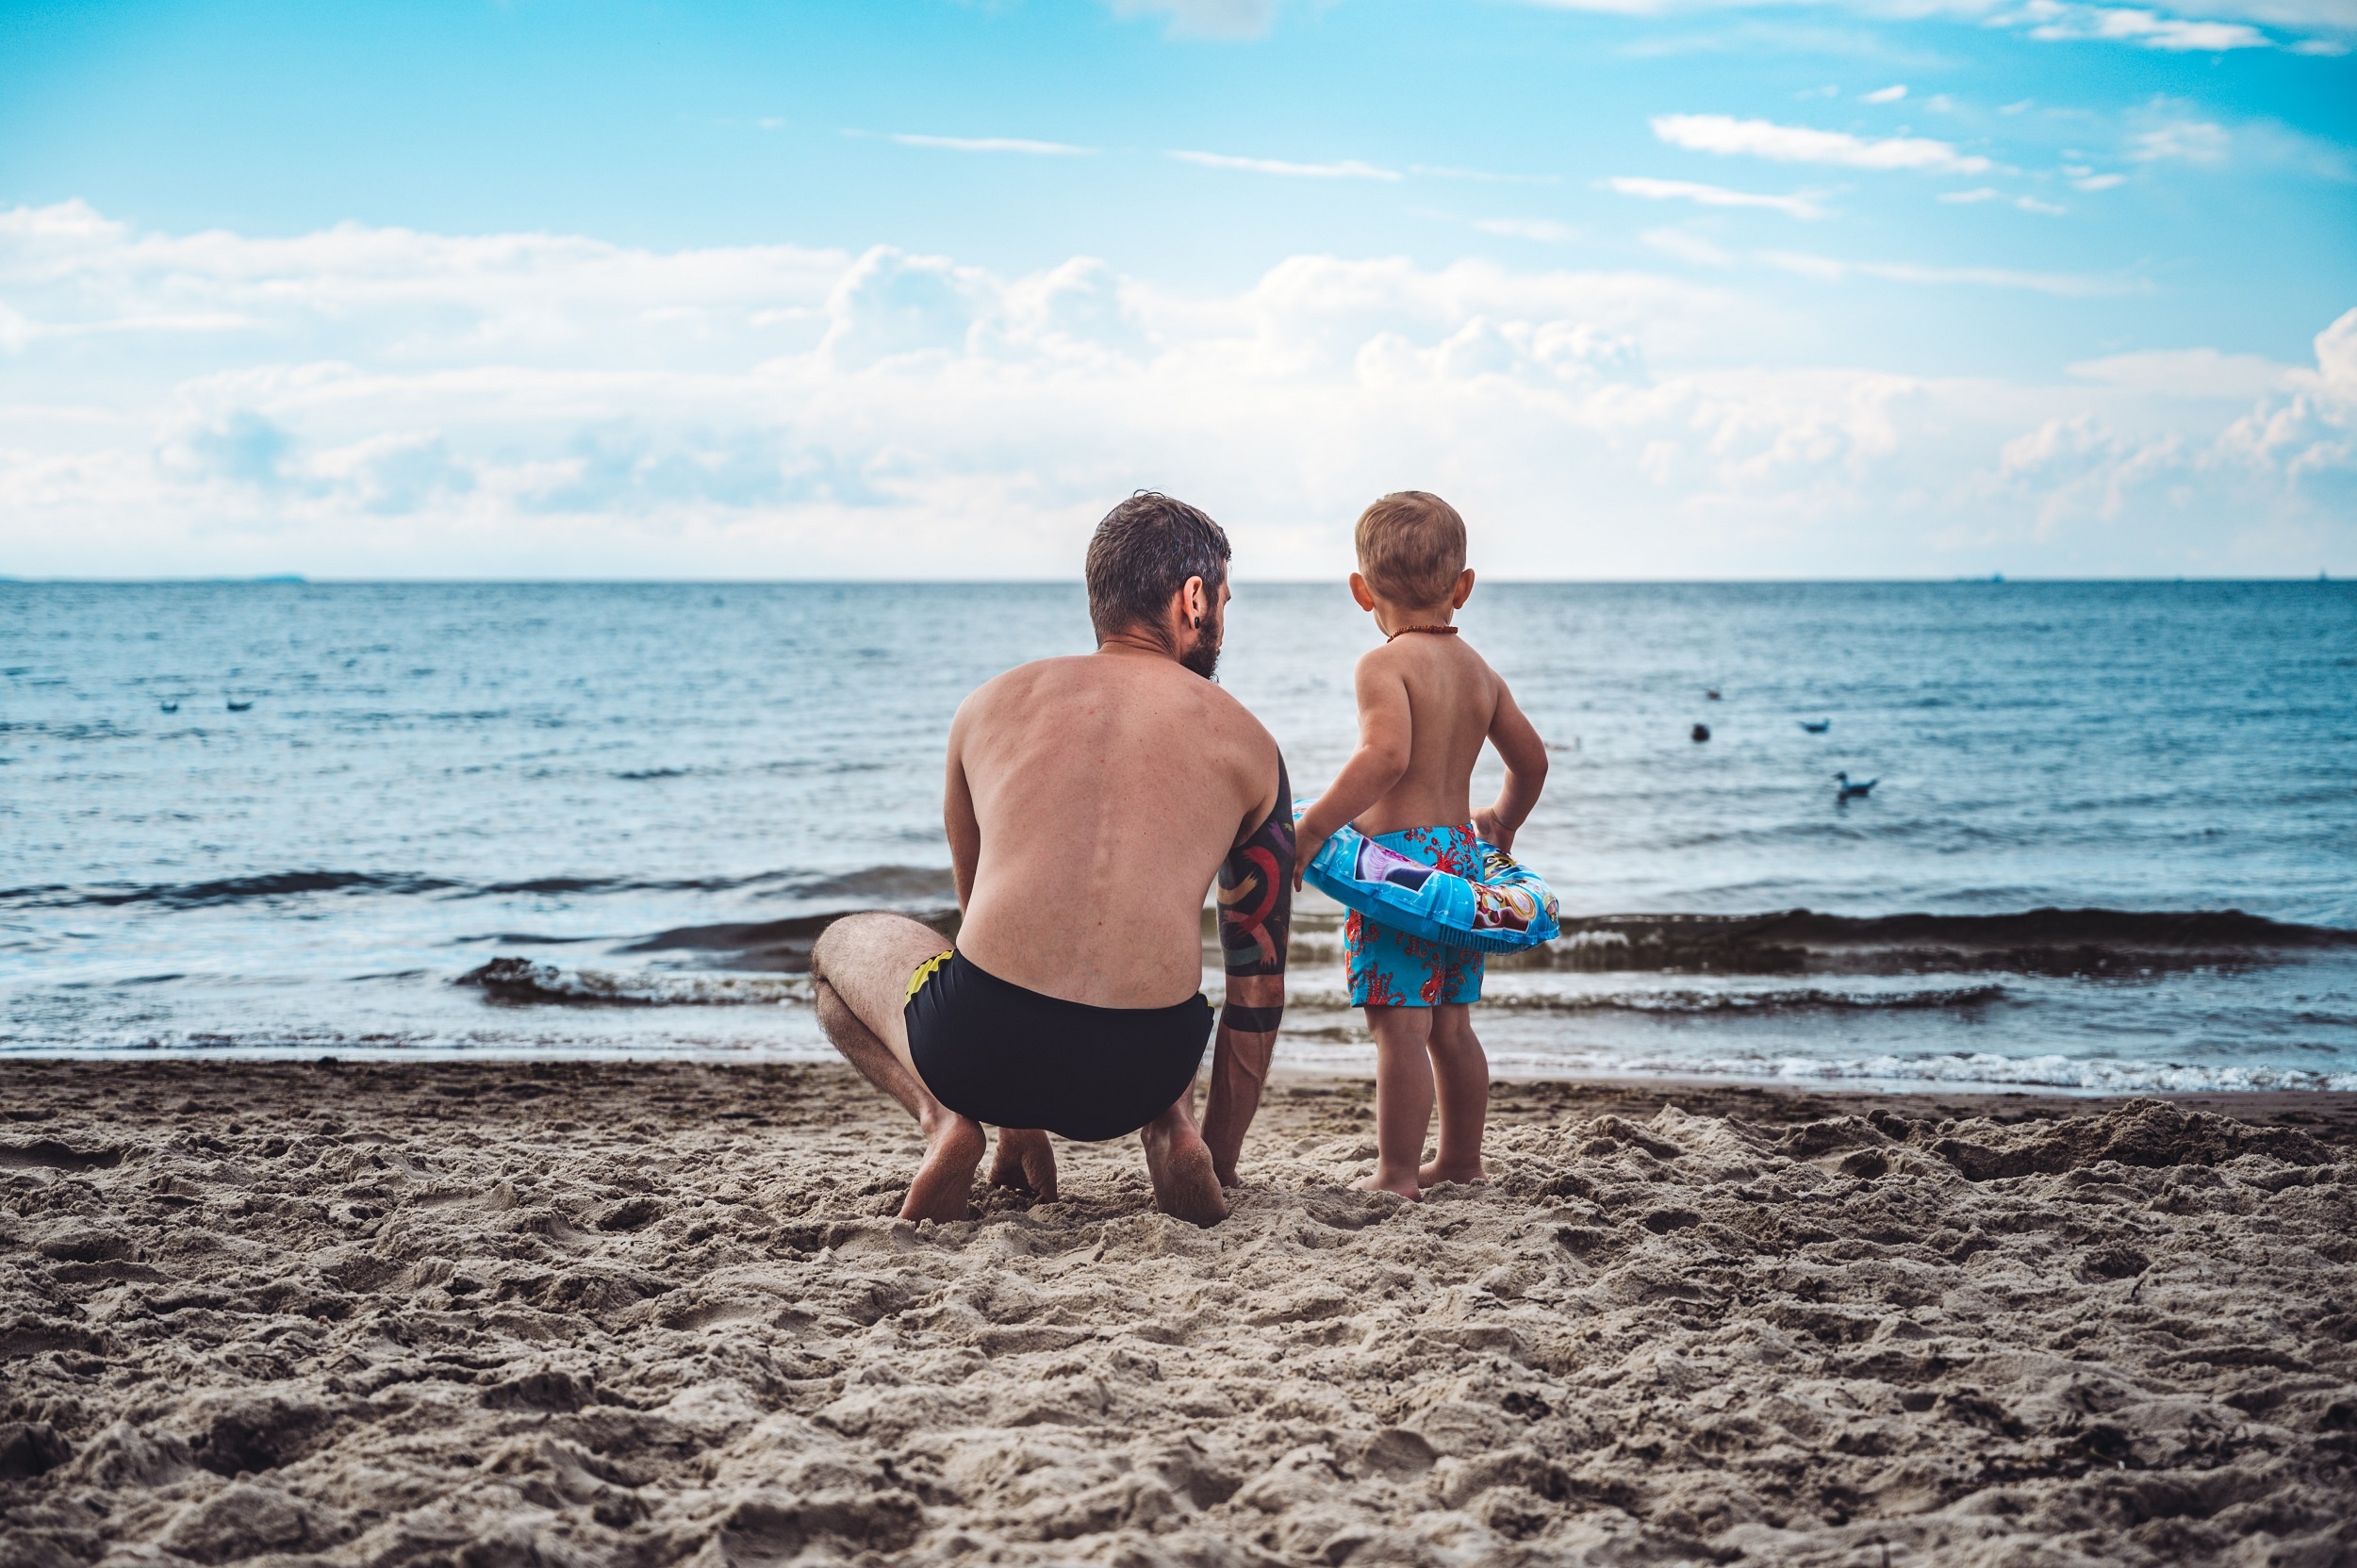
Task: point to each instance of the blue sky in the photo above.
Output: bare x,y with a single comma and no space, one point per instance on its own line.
916,288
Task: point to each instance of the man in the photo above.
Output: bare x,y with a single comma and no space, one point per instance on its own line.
1090,803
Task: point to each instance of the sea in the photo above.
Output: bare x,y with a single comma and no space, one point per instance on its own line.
2111,842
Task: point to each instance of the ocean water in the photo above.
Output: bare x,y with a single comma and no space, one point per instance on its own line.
2113,845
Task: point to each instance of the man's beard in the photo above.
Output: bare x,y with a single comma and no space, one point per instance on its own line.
1202,656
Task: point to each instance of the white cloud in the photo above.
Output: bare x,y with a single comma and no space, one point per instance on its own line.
1967,198
989,144
2055,21
403,403
1349,169
1724,134
1545,230
1688,247
2189,373
1204,18
2076,286
2189,141
2231,25
1795,206
2099,182
2031,204
1890,95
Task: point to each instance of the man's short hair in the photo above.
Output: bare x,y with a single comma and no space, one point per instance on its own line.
1411,547
1144,552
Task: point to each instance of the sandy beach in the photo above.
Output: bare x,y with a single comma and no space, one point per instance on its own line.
544,1314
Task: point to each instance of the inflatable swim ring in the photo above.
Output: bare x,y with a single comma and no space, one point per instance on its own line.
1511,908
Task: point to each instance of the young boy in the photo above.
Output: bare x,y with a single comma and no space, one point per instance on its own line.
1427,702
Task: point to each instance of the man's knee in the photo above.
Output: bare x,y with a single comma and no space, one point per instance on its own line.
839,938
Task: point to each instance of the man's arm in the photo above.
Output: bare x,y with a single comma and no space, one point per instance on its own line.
1255,917
957,814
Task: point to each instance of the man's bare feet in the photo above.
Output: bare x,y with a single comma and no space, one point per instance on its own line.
954,1146
1400,1187
1464,1176
1026,1162
1180,1163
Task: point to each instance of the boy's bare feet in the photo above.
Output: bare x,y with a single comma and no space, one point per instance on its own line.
1464,1176
1401,1186
953,1148
1026,1162
1180,1163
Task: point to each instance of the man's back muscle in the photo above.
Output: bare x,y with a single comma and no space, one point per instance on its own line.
1105,791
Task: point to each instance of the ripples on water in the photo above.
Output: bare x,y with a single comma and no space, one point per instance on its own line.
648,799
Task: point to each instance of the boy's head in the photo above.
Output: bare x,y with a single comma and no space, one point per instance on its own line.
1411,549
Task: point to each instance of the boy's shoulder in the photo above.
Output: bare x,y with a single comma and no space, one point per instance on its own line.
1405,653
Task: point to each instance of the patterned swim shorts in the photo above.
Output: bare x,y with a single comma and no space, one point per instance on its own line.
1390,968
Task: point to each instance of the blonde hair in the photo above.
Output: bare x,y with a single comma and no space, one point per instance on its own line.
1411,547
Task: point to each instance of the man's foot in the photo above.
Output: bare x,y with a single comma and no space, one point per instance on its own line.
1185,1187
1464,1176
954,1146
1026,1162
1399,1186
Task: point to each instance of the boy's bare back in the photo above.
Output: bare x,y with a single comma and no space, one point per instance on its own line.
1445,700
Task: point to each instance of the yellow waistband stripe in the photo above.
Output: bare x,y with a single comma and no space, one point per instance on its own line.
924,973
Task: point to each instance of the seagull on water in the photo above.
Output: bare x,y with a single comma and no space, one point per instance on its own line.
169,707
1817,727
1854,791
239,707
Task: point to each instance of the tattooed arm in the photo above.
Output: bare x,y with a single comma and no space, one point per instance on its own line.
1256,912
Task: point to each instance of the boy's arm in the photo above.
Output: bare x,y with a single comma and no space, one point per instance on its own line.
1385,730
1525,758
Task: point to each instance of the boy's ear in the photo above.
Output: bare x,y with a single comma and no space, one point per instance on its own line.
1463,589
1360,592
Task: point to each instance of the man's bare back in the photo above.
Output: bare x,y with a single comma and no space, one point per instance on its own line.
1098,796
1090,803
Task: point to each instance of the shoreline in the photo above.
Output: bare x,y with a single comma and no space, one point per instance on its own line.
393,1314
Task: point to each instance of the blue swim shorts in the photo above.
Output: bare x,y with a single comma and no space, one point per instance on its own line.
1390,968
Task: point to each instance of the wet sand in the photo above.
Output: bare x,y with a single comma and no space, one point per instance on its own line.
659,1313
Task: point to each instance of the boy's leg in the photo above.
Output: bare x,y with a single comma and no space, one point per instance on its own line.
1403,1095
1461,1073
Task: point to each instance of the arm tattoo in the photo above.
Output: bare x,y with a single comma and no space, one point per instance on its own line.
1256,895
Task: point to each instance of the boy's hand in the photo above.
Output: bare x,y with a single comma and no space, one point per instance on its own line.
1491,829
1307,843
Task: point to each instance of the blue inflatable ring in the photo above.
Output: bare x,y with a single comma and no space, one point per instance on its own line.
1510,909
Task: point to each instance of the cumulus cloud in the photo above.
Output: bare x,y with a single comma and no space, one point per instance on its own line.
386,401
1795,205
1724,134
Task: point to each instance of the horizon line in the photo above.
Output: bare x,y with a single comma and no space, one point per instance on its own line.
301,580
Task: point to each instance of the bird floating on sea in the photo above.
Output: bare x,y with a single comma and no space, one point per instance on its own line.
1817,727
239,707
1701,732
169,707
1711,692
1854,791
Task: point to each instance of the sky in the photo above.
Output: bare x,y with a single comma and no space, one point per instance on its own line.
1650,288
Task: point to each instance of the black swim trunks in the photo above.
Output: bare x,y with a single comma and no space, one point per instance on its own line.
1008,1057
